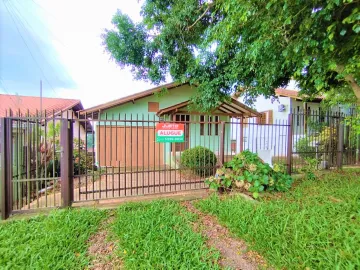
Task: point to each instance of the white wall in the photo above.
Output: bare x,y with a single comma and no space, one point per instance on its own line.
76,126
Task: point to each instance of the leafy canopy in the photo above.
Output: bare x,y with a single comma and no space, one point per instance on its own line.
255,46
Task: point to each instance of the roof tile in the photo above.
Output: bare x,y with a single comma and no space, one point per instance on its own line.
31,104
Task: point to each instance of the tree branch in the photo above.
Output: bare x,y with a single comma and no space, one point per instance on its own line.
201,16
349,78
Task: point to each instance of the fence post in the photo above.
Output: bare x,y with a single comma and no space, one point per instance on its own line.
357,154
242,134
222,143
5,168
340,146
66,163
289,143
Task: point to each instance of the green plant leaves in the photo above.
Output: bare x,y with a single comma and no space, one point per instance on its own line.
254,175
200,160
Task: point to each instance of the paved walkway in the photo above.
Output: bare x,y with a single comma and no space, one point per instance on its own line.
121,185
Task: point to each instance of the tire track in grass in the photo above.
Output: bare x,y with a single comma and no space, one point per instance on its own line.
159,235
234,252
102,246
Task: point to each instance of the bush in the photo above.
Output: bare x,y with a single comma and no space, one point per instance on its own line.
53,166
83,162
304,149
247,171
311,165
200,160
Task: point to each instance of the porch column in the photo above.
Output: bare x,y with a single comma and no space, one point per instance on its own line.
173,147
242,134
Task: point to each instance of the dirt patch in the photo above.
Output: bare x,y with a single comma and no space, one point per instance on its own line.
234,252
102,250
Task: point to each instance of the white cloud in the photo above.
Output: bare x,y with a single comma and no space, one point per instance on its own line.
79,25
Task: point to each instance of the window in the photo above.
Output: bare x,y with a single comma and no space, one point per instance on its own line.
298,116
265,118
217,125
209,126
212,121
153,106
202,124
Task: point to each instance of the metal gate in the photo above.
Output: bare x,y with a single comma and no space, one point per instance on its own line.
325,138
53,161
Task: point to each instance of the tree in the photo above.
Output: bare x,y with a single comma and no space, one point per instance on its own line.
225,46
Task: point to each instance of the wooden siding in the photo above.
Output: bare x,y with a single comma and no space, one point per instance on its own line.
129,147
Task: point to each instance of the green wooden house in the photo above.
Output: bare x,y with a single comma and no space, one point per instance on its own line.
125,128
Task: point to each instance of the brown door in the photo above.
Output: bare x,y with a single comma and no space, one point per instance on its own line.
128,147
183,118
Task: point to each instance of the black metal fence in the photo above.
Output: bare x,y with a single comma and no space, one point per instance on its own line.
56,160
324,137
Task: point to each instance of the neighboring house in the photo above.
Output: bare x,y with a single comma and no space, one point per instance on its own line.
134,139
25,110
15,105
261,134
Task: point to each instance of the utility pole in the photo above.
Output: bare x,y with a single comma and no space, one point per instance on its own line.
40,98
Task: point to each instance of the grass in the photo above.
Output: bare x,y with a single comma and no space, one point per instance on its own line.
316,225
56,241
159,235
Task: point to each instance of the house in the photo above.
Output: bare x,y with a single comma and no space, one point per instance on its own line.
125,130
23,106
28,121
270,133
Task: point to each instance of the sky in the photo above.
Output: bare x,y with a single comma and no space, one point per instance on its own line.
59,42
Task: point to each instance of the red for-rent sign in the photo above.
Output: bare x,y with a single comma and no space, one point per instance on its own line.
170,132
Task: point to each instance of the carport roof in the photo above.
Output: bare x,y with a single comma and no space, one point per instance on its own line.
232,108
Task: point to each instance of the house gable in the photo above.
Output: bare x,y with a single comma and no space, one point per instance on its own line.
145,106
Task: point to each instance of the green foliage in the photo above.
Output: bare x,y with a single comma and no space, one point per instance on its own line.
200,160
314,226
304,148
159,235
52,134
328,140
53,167
311,165
56,241
353,122
223,46
82,161
247,171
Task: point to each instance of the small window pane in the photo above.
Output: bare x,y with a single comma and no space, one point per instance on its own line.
202,120
216,125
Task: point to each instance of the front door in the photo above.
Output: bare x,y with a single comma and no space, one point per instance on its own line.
185,119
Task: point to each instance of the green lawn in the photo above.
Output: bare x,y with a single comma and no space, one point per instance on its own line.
159,235
56,241
316,225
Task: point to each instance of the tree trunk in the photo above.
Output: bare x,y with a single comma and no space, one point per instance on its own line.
355,87
349,78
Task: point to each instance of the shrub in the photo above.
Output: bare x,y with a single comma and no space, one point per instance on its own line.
53,166
199,160
304,149
309,168
83,162
247,171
